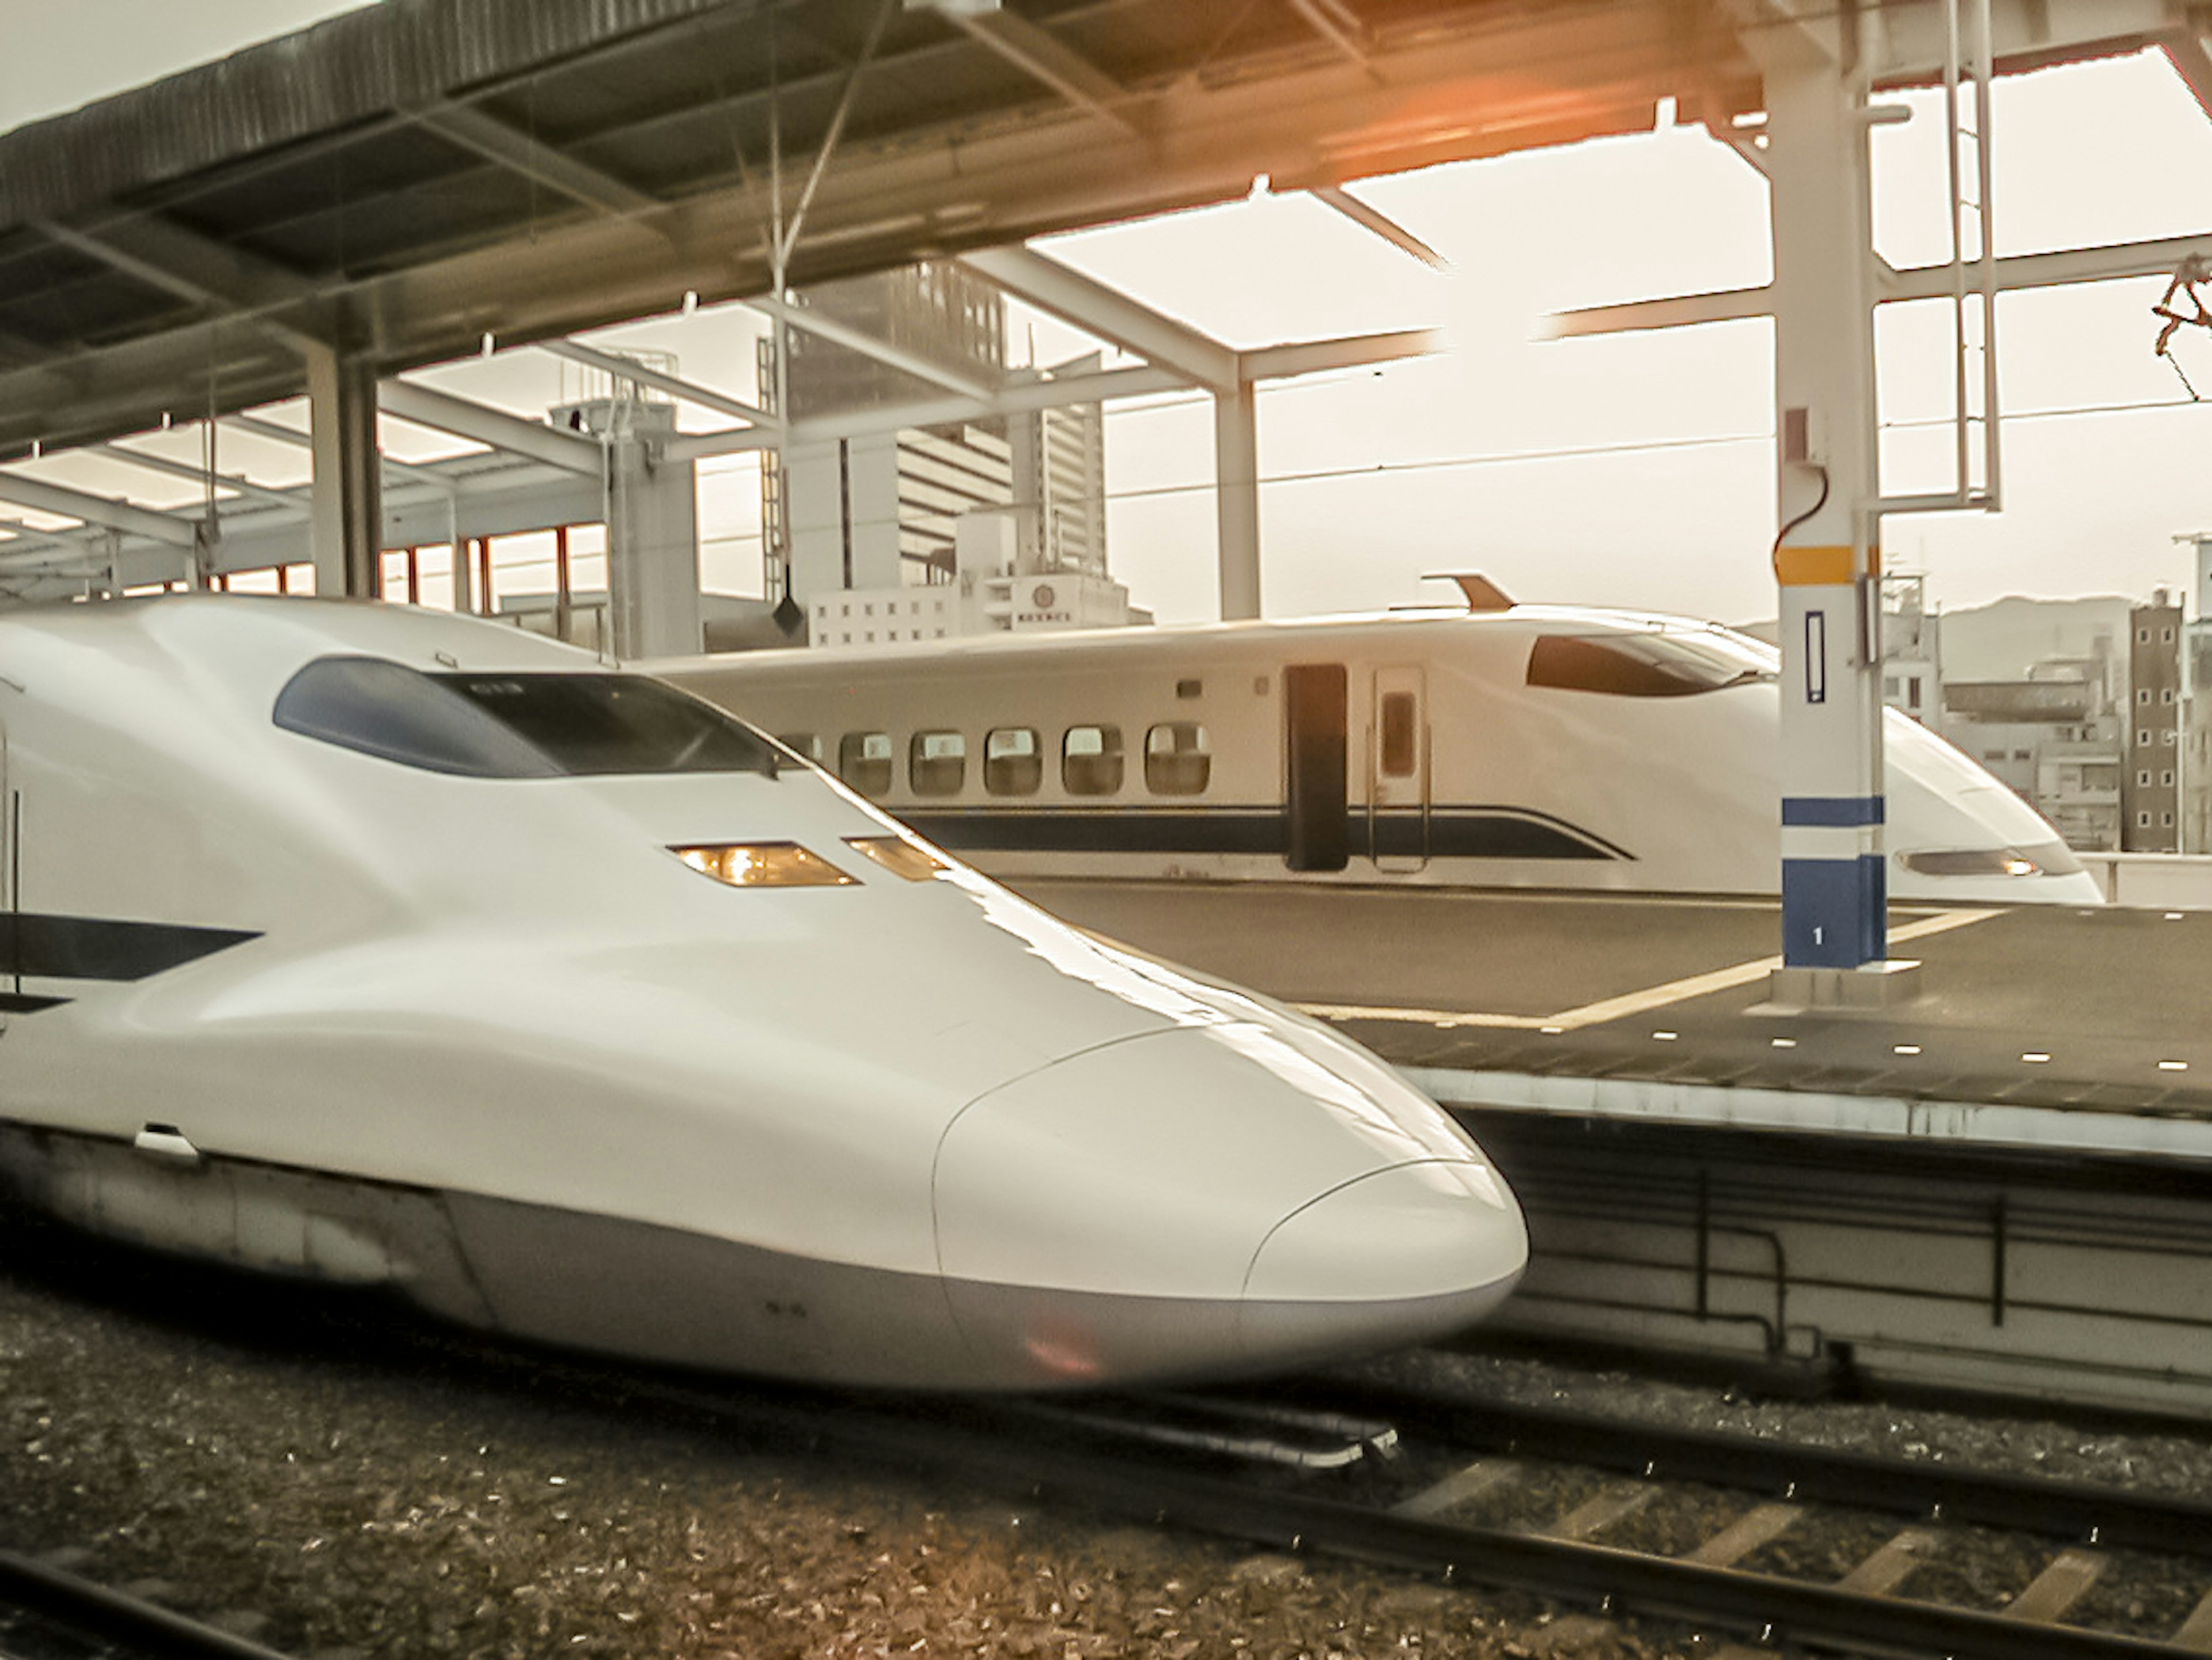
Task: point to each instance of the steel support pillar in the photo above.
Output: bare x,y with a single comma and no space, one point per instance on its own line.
1827,559
1236,491
653,546
348,513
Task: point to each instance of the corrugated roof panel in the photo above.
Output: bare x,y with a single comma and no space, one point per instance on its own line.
393,56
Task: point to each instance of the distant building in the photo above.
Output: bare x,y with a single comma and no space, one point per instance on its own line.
2150,786
939,530
2040,706
1912,652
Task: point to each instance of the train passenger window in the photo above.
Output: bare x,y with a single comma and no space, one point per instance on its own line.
1401,742
864,761
1013,761
386,710
1091,760
806,745
1650,665
937,763
1177,761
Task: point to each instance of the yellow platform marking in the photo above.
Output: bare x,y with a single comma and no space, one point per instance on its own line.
1634,1002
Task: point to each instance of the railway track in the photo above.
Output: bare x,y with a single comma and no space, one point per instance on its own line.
1433,1510
48,1614
1754,1544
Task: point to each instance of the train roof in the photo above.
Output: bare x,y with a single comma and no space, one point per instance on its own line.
1520,619
272,628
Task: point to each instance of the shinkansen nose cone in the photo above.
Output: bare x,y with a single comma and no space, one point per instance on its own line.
1118,1214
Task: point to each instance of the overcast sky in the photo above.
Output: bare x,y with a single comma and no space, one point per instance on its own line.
1484,460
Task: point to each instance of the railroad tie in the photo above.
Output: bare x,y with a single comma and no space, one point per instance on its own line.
1744,1536
2057,1588
2195,1631
1600,1511
1888,1567
1462,1486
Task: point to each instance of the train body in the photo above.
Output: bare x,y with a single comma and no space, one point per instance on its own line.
1534,747
394,948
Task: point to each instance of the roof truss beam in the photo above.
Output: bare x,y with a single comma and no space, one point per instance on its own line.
2157,256
628,368
460,418
166,256
1339,24
1369,217
1087,304
1044,58
852,339
405,472
42,495
236,483
492,140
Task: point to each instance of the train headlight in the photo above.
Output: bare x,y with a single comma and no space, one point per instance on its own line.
899,855
1974,861
762,865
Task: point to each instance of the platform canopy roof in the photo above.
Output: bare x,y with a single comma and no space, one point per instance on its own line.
403,181
405,178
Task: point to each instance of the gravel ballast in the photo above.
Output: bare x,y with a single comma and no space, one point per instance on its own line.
328,1476
298,1468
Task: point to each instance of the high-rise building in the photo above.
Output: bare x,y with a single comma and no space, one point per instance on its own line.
940,530
2150,782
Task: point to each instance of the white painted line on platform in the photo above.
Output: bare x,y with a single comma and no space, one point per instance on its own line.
1634,1002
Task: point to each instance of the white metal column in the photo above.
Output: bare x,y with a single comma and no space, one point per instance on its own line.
652,538
1236,488
347,516
1828,561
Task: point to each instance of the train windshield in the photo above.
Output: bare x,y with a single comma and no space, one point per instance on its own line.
515,725
1653,665
597,724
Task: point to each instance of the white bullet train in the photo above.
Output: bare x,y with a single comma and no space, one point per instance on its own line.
1512,746
397,948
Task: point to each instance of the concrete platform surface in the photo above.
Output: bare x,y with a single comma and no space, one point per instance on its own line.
2104,1011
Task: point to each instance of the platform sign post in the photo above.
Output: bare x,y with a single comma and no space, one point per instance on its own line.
1826,558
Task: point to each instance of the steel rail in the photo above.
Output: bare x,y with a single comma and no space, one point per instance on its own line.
977,1443
2082,1511
130,1625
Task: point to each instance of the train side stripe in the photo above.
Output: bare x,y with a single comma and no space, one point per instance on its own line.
1453,833
103,948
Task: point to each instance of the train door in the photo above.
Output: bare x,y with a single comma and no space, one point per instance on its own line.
1398,770
11,879
1315,808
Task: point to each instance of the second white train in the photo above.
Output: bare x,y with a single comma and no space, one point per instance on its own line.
1532,746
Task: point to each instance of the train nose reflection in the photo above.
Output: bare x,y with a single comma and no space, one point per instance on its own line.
1114,1213
1393,1257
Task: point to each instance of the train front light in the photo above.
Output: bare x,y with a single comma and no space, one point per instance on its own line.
762,865
1976,861
899,855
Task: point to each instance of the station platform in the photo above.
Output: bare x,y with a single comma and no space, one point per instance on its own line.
1999,1185
2044,1026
